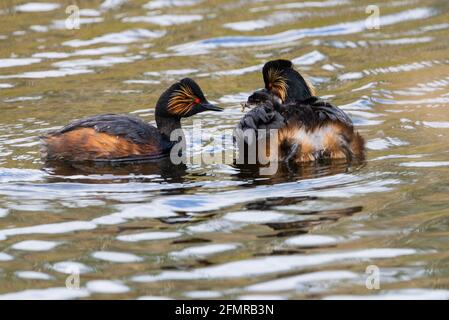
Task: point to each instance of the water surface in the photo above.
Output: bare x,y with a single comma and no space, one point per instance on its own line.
157,230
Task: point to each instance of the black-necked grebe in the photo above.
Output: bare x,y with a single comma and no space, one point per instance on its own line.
309,129
123,137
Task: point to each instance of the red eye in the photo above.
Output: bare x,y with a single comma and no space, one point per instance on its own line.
197,100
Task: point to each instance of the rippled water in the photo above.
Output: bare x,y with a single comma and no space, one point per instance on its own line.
219,231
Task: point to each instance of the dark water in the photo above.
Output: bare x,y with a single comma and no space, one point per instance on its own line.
220,231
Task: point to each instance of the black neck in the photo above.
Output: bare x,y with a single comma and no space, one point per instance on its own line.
166,125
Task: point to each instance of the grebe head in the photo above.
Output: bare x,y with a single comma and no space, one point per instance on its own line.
282,80
183,99
263,98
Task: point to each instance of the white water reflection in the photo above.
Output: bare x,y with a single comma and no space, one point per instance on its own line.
311,240
309,58
166,19
37,7
299,281
124,37
214,225
148,236
135,212
106,287
5,256
71,267
51,55
33,275
312,4
105,61
46,294
20,99
350,76
425,164
83,52
89,12
22,175
261,297
158,4
224,216
272,264
3,212
111,4
235,98
120,257
402,294
276,18
141,82
204,250
35,245
436,124
153,298
54,228
48,74
385,143
14,62
171,74
203,294
399,156
61,24
258,216
304,60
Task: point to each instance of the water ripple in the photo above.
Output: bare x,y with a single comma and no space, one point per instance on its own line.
124,37
272,264
201,47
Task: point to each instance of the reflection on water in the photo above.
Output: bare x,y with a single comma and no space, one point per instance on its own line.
158,170
154,230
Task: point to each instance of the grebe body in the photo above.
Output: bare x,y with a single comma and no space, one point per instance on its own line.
309,129
114,137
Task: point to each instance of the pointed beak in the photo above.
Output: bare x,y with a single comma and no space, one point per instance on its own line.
211,107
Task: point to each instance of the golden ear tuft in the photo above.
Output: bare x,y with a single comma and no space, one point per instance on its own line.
181,101
277,83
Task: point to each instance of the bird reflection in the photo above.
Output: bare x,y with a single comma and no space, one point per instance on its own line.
107,172
288,172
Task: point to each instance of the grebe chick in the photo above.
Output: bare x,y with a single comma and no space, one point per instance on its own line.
309,129
113,137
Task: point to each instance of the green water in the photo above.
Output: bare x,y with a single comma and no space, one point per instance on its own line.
218,231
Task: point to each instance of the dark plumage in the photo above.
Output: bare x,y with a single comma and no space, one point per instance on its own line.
283,80
117,125
309,129
314,112
114,137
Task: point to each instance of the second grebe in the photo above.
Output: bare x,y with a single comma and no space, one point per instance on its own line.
309,129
